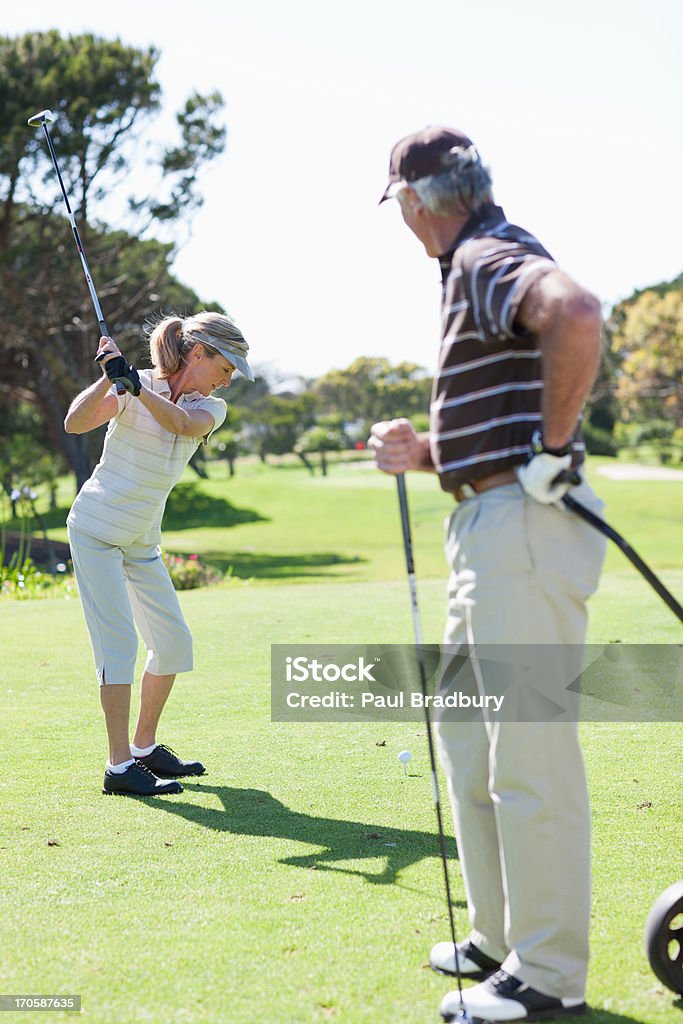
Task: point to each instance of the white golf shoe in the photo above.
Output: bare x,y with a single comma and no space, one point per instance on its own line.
472,962
502,998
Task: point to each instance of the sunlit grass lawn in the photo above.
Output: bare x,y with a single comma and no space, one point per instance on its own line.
294,527
280,523
299,881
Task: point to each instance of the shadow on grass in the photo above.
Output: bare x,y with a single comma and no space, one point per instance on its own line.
254,812
247,565
596,1015
188,508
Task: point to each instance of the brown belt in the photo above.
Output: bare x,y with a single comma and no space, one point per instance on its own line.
506,476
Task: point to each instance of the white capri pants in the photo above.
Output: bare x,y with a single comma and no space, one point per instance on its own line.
121,588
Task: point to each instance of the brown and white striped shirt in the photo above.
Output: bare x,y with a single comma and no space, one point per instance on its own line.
486,399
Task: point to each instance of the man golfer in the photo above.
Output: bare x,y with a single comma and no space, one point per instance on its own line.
519,352
115,528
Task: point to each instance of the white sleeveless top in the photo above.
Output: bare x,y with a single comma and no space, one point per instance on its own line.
123,501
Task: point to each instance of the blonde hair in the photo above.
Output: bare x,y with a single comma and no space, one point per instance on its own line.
174,337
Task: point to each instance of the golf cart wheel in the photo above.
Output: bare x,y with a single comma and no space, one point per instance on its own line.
664,937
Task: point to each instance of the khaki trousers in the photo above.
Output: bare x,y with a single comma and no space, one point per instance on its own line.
121,588
518,789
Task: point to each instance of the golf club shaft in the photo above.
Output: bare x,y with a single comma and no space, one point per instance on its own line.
42,119
77,237
410,566
632,555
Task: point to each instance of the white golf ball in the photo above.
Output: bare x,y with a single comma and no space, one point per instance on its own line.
405,756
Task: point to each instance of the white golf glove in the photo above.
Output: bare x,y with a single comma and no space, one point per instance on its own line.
539,474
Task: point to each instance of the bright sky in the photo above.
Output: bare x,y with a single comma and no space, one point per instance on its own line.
574,107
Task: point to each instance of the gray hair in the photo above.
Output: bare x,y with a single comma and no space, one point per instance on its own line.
462,187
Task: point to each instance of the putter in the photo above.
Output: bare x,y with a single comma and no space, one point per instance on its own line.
572,477
42,120
462,1016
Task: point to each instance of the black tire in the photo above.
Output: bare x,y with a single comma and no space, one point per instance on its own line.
664,939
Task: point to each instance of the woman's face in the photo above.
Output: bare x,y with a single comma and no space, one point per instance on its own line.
208,372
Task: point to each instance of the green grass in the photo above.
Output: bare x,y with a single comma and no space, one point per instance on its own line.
280,524
267,890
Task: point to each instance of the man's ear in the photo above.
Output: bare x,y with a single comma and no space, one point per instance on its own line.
412,199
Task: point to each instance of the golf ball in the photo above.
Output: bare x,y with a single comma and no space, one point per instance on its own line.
405,756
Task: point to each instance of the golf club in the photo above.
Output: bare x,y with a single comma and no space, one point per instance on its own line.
609,532
42,119
462,1016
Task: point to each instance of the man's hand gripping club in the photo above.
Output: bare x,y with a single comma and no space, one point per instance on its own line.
398,448
546,476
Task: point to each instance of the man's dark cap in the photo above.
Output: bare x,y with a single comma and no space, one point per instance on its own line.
420,155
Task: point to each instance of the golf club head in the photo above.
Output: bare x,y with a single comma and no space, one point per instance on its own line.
461,1017
43,117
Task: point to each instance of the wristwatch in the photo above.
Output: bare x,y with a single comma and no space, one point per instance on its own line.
538,446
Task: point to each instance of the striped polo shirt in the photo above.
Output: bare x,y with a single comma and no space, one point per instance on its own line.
486,399
123,501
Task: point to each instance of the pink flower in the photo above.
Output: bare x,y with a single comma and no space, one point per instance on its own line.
194,558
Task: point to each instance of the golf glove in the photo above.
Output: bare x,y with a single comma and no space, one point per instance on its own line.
545,477
121,372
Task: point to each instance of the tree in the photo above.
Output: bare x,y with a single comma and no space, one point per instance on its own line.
371,389
25,458
229,445
107,92
48,365
648,340
317,440
274,424
229,440
327,435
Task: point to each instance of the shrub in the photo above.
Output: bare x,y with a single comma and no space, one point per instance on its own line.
188,573
599,441
661,435
26,581
20,577
655,431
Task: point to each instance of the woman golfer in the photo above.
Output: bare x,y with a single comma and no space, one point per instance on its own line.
115,527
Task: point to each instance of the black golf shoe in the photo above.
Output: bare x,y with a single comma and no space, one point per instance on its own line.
166,764
138,780
503,998
474,965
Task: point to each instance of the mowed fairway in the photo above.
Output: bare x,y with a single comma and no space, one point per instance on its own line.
298,882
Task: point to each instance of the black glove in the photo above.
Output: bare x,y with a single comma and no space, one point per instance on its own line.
121,372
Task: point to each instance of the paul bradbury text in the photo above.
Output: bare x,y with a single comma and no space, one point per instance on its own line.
366,699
